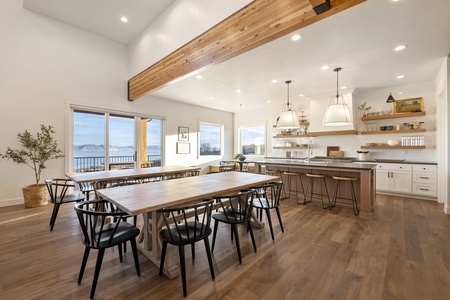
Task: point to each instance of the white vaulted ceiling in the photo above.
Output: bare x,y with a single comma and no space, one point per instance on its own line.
360,40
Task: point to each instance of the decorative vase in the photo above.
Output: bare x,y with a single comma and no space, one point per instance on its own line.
242,158
35,195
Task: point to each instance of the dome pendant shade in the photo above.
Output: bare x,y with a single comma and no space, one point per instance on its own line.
288,118
337,113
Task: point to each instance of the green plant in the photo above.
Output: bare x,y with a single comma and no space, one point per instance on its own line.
237,156
36,150
364,107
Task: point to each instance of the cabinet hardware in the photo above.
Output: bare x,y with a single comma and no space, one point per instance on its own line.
424,177
424,189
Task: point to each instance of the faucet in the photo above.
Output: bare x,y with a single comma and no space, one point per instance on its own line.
309,150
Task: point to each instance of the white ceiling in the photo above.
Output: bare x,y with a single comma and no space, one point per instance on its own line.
360,40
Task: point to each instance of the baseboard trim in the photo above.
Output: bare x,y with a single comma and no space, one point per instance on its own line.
11,202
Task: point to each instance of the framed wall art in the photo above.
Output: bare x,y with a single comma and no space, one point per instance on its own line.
183,148
183,133
408,105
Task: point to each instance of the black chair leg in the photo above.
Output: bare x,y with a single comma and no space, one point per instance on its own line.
277,209
270,224
163,256
98,266
83,263
234,228
135,256
183,269
208,253
55,212
120,253
214,235
251,235
193,251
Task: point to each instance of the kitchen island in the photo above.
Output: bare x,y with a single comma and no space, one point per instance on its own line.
365,172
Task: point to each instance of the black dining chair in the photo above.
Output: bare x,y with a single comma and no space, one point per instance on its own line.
183,226
58,191
235,209
100,232
268,197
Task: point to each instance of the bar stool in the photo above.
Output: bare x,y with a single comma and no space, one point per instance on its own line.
293,176
311,178
279,174
336,190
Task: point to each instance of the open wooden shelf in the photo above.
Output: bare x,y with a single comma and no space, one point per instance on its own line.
394,147
394,131
291,136
404,115
323,133
291,148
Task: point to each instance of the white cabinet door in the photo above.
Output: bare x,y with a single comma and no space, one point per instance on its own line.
401,181
383,180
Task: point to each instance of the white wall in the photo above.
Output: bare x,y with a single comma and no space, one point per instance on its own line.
46,65
174,28
443,134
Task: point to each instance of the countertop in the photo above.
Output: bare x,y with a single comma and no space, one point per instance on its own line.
371,161
301,163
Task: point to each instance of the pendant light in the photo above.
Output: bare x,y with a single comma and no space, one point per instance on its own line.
288,118
337,113
390,99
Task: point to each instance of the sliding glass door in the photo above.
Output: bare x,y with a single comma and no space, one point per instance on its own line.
106,141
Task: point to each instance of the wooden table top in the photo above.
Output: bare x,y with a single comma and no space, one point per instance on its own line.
140,198
128,173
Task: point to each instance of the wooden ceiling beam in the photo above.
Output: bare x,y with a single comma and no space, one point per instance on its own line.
258,23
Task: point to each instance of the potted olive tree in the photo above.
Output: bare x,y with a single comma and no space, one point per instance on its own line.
35,152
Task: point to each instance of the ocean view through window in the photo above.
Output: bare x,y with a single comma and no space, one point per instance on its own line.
210,141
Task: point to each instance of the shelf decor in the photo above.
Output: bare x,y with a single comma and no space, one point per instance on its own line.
183,133
411,105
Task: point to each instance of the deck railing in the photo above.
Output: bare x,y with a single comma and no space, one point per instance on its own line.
97,163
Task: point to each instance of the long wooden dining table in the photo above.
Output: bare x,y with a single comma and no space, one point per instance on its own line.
147,198
129,173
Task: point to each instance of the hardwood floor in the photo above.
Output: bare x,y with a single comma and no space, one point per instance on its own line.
403,252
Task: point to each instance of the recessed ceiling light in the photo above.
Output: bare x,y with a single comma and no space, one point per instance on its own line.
274,81
211,98
343,87
199,76
325,67
400,76
400,47
400,93
395,0
301,95
268,101
124,19
238,91
296,37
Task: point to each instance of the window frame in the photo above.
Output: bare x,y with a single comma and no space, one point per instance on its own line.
222,139
239,138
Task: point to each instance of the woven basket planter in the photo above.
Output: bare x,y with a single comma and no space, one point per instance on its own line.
35,195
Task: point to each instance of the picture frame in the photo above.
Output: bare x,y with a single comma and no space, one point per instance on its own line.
183,133
407,106
183,148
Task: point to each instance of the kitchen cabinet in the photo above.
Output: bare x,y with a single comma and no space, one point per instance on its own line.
394,178
415,180
425,180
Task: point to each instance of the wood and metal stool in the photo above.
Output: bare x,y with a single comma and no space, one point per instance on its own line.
310,186
293,176
353,194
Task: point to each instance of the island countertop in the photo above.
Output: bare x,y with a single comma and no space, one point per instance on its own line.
315,164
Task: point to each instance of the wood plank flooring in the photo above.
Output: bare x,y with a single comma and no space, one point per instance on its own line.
402,252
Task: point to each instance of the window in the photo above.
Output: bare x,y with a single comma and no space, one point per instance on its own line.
130,141
252,140
210,140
